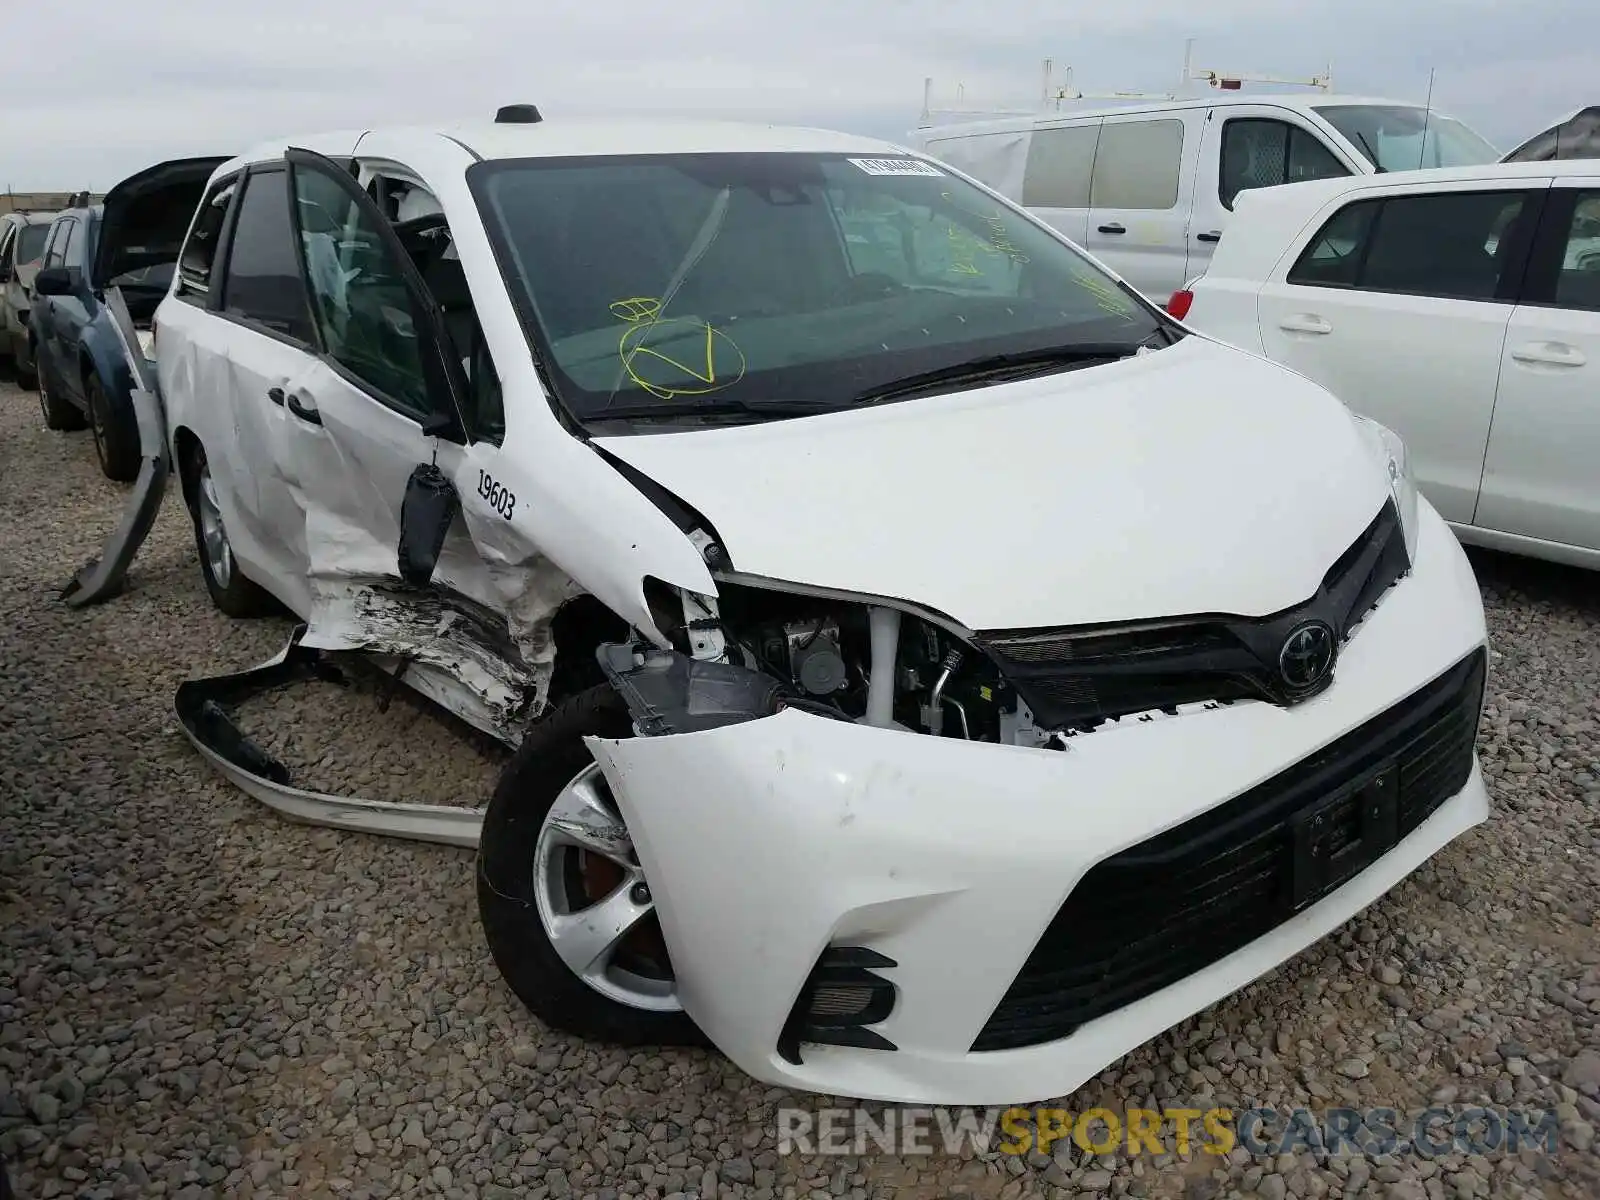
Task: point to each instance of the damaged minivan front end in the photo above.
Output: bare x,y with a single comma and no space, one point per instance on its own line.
927,852
949,907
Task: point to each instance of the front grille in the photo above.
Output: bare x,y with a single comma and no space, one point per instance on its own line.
1076,678
1167,907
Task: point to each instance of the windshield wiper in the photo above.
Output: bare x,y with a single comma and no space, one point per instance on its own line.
1377,167
1017,365
755,406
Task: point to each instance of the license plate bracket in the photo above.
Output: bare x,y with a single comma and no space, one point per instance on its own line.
1345,834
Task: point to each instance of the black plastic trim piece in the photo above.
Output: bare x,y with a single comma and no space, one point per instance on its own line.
841,967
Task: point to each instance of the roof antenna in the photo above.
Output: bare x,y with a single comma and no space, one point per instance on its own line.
1427,116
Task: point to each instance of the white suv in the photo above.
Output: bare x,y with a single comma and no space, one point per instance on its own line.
935,672
1460,308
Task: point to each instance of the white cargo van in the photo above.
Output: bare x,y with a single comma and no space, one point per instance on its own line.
1147,186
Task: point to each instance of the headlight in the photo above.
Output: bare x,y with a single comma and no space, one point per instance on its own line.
1390,451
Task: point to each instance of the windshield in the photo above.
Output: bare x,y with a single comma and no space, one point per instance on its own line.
31,240
1391,136
692,283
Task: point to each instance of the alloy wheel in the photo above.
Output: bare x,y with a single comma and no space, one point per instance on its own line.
213,536
594,902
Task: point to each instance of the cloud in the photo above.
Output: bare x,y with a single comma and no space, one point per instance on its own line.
135,83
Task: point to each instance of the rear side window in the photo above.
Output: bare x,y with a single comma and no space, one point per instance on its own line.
1137,165
1451,245
263,282
1060,164
1333,259
1264,153
200,251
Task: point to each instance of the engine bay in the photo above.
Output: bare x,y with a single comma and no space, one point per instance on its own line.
818,655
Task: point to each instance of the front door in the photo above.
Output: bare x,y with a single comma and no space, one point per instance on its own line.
1399,306
62,317
1251,146
383,397
1541,478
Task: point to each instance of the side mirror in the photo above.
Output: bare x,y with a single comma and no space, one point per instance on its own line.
56,281
426,512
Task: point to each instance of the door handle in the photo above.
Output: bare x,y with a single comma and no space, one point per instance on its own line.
1214,236
1113,228
1305,323
1550,354
276,396
300,408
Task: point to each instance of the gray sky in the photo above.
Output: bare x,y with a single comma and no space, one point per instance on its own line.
137,82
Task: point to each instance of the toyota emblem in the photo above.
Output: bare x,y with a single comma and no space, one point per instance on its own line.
1306,658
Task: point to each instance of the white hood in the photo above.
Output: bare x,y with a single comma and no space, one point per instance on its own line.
1197,479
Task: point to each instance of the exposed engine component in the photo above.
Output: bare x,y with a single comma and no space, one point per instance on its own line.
815,661
828,656
933,711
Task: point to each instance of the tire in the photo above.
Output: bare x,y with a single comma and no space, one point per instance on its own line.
59,412
26,377
230,591
552,758
115,429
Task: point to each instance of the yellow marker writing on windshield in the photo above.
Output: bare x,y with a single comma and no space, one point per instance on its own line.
647,329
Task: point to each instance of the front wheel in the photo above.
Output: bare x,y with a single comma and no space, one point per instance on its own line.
230,591
115,429
564,903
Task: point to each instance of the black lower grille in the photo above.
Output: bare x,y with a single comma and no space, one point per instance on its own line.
1161,910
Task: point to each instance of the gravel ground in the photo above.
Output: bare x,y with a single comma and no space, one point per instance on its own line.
411,750
198,999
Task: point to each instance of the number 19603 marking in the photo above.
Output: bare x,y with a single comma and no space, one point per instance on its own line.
500,498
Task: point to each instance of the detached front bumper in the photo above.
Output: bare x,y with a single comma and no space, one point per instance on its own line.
770,841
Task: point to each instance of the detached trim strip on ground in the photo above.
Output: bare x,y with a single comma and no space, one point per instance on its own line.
202,707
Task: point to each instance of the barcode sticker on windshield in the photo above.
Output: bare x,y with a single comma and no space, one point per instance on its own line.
896,166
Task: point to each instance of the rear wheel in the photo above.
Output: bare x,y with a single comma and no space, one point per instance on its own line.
115,429
58,411
565,906
230,591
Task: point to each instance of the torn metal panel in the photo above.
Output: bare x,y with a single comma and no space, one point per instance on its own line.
102,577
456,652
202,707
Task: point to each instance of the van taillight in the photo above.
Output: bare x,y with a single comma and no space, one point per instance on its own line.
1178,306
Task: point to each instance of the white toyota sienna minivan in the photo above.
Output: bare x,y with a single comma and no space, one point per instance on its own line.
934,671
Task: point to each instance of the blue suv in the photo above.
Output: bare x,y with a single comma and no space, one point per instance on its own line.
129,241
